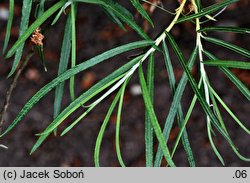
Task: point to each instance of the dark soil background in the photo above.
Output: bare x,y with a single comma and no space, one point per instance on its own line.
96,33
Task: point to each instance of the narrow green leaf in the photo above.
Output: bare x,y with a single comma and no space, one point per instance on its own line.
34,26
80,117
41,8
118,123
172,82
142,11
209,127
199,6
241,86
153,118
230,46
215,107
120,7
64,59
67,74
98,2
9,24
207,10
113,17
189,112
174,107
226,29
86,96
215,95
90,108
41,55
26,9
169,67
195,88
230,112
103,128
228,64
58,16
40,11
148,126
202,100
119,11
73,49
217,153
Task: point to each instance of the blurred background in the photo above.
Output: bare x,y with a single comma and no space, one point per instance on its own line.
95,34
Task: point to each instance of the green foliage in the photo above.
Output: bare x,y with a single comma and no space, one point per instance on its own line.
64,59
226,29
142,11
207,10
228,63
9,25
172,82
149,138
203,91
26,10
236,81
153,118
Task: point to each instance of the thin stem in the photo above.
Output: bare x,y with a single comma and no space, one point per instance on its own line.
146,55
161,8
10,90
200,50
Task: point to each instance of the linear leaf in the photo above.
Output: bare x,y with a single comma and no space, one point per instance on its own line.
113,17
228,64
103,128
207,10
64,59
73,49
215,95
142,11
172,82
119,12
99,2
215,106
153,118
230,112
196,90
199,5
230,46
34,26
58,15
70,109
190,110
9,25
40,10
85,113
174,106
84,98
118,123
217,153
148,126
209,127
26,9
238,83
226,29
67,74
